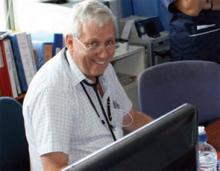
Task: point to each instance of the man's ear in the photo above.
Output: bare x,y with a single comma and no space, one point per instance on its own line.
69,41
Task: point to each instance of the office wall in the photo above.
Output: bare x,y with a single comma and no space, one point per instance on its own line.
34,16
146,8
163,15
53,14
126,8
139,7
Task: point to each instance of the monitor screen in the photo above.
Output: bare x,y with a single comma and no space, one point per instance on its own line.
167,143
151,29
150,26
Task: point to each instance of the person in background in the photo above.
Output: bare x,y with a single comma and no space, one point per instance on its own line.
75,104
194,29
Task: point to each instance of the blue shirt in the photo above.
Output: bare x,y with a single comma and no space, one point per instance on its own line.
193,38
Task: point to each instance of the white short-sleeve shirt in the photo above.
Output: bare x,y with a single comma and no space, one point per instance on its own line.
59,116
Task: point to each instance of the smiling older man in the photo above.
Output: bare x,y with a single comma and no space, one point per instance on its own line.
75,104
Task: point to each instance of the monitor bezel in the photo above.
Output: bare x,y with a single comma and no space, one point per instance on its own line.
107,153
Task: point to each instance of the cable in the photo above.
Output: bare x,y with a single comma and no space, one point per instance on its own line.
131,122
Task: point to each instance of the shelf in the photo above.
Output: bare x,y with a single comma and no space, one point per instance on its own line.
129,61
124,50
132,92
131,85
126,79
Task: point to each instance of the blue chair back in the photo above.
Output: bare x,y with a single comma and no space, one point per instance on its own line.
13,145
166,86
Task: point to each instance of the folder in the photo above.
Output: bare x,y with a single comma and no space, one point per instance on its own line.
46,45
43,52
5,83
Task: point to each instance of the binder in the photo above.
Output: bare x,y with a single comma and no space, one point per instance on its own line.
15,85
57,43
43,52
4,74
18,63
46,45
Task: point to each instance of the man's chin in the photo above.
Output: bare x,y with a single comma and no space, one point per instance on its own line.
100,70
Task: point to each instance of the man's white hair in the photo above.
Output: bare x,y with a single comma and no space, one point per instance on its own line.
90,10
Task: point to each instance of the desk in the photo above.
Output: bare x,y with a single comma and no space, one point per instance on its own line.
218,161
213,131
128,62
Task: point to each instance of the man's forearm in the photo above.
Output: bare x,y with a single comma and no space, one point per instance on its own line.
54,161
136,120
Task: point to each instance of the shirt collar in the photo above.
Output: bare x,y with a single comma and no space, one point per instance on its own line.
79,76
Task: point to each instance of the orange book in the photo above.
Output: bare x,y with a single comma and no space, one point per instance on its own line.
47,51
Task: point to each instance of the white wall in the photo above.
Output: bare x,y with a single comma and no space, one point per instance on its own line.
31,16
3,23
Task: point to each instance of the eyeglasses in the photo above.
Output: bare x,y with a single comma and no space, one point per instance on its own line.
95,46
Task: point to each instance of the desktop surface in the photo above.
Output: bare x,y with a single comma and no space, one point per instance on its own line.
168,143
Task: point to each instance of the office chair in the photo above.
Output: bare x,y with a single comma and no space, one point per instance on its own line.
166,86
13,145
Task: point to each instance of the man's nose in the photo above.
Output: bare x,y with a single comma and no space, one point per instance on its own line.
103,51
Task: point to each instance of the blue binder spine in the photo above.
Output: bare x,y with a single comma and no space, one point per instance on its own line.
18,63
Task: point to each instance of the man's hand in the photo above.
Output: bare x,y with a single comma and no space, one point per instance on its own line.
207,4
134,120
216,5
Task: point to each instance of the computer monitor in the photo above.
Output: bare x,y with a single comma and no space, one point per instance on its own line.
150,26
167,143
